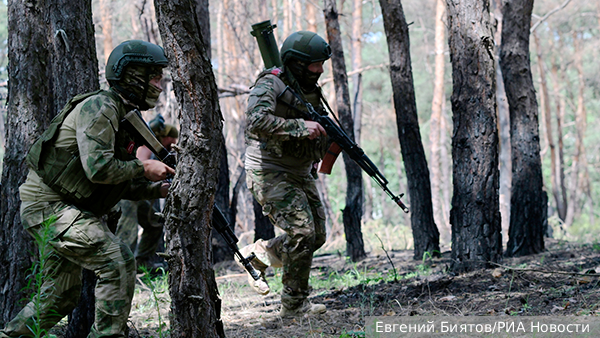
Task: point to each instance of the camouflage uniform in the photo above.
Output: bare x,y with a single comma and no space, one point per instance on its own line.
141,213
279,161
79,239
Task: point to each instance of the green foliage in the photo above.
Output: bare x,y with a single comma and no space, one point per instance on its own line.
159,295
40,277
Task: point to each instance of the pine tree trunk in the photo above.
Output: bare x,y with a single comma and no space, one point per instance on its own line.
435,122
352,213
357,64
50,60
425,233
195,305
475,214
526,233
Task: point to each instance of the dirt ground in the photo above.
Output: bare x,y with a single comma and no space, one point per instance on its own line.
562,281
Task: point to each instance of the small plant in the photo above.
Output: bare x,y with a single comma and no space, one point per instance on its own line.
158,286
39,279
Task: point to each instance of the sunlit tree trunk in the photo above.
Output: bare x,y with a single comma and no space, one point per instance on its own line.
435,122
503,128
352,213
356,65
195,305
547,112
475,214
311,16
425,233
528,202
45,51
578,182
107,29
561,196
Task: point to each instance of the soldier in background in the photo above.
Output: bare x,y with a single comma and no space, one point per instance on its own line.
281,156
81,166
146,213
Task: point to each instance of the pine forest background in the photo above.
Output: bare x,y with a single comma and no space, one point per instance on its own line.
564,41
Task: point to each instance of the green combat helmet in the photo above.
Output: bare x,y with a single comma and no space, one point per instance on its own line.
133,51
305,46
131,66
301,49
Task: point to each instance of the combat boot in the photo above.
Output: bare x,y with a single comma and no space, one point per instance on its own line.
260,286
307,308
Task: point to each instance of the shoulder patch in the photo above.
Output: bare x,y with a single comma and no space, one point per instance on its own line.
276,71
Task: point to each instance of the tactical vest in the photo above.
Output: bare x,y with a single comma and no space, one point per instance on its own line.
62,170
288,107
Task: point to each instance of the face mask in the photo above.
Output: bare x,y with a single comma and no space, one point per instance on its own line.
152,96
134,83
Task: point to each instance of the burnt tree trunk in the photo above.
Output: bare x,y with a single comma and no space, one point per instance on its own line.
52,57
425,232
352,213
195,305
475,214
220,250
526,232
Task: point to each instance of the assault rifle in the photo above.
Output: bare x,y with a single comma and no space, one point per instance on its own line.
263,32
135,125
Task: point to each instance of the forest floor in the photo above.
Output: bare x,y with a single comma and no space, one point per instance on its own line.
562,281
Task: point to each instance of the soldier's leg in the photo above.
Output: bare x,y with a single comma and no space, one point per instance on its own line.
90,244
57,297
127,228
318,211
61,283
286,203
151,236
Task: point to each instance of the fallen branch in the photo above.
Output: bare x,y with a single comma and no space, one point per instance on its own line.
546,271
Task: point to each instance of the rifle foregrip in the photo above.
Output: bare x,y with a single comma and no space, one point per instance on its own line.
329,159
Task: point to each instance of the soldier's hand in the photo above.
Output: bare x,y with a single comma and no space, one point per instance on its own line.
315,130
164,189
156,170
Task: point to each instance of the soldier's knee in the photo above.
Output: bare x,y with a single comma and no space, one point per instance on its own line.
122,263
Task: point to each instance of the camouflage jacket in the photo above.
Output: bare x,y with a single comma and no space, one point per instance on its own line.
275,127
86,157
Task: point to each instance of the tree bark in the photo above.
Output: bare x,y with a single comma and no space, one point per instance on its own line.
527,220
475,215
195,305
425,233
52,57
220,250
352,213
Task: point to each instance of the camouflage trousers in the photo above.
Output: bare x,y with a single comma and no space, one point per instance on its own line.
78,240
142,213
292,204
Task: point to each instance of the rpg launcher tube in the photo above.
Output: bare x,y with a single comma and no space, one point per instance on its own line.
263,32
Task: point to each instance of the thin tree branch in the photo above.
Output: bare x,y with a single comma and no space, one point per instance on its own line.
542,19
360,70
